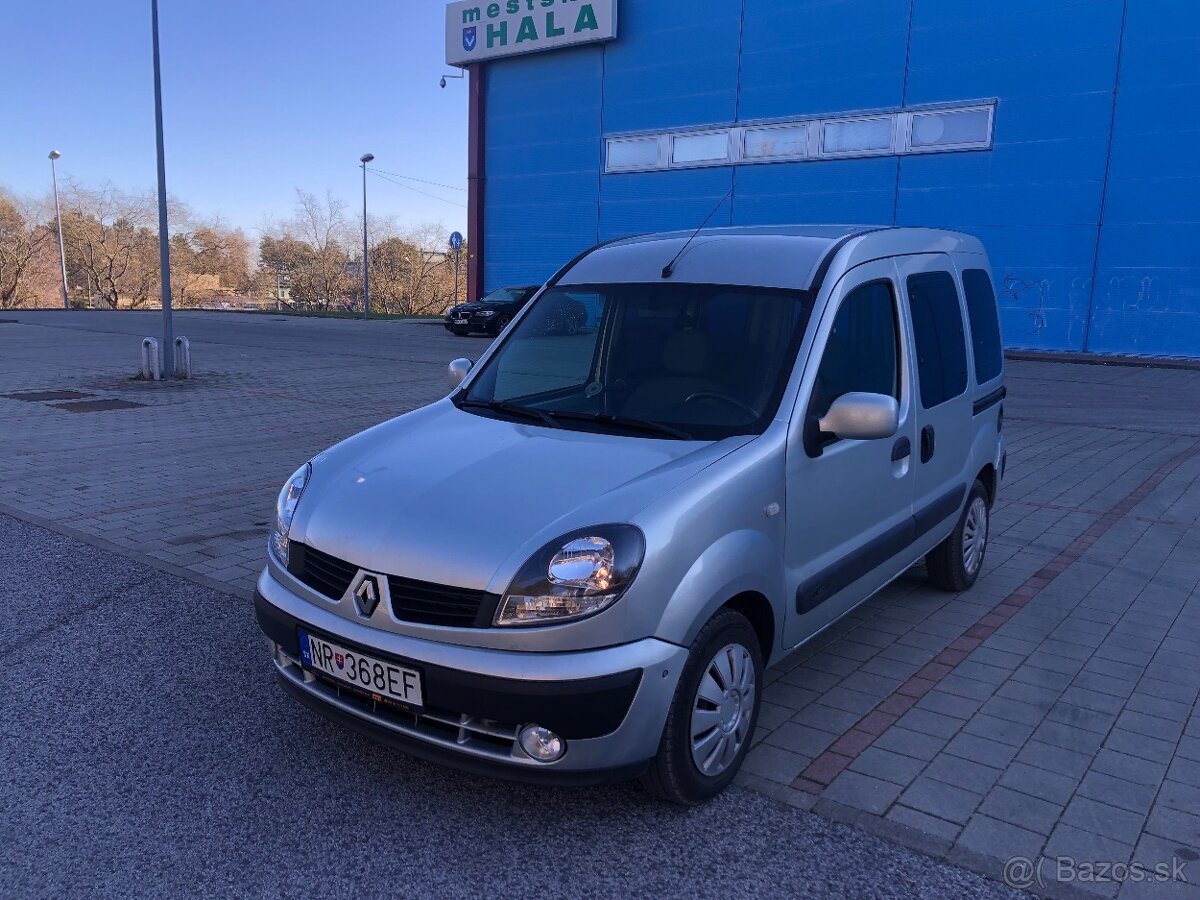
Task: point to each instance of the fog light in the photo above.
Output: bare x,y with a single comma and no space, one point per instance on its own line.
541,743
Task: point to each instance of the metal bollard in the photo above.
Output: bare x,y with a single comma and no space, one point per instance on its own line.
150,359
183,357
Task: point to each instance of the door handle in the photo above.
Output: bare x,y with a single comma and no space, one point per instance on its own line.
927,443
902,449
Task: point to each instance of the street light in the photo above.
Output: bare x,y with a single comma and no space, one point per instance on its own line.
62,257
164,239
364,159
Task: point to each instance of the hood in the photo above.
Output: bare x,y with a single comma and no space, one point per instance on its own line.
476,307
446,496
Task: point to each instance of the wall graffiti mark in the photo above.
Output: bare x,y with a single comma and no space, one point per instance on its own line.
1149,294
1014,286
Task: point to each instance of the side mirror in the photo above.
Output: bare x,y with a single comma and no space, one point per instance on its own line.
457,371
862,417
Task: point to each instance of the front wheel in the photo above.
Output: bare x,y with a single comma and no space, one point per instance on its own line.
956,562
711,721
499,325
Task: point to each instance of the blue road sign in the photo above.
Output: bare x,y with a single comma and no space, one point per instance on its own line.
456,241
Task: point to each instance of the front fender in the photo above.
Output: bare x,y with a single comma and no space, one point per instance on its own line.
735,563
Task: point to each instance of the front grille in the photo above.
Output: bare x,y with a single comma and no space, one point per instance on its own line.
412,600
323,573
436,604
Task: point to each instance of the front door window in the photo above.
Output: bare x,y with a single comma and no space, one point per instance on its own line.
860,355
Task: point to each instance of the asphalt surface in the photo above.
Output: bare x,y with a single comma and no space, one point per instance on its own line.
145,750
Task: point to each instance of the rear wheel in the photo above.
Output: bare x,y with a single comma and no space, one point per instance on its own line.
712,718
956,562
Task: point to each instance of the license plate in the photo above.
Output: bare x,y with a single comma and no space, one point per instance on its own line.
375,676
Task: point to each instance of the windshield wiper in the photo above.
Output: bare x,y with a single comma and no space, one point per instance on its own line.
512,409
641,425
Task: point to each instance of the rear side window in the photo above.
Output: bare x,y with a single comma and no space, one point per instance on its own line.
985,326
860,354
938,331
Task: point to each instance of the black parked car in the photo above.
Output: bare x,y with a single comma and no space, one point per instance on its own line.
491,313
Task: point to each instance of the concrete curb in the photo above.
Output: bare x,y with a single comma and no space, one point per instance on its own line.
1097,359
102,544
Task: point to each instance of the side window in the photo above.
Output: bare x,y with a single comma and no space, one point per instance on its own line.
938,333
985,326
861,353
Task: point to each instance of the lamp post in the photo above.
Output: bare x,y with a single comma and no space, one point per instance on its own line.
62,256
364,159
164,245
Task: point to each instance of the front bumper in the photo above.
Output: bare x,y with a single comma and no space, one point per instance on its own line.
474,323
608,705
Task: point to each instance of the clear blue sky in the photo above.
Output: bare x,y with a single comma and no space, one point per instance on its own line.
260,97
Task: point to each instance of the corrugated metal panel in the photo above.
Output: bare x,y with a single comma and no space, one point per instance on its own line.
1147,298
674,64
837,191
543,162
662,201
1043,278
817,56
1036,198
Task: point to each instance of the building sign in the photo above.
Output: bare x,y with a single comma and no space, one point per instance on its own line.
478,31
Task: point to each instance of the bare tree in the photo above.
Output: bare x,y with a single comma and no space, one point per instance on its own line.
311,251
110,243
207,260
411,270
24,245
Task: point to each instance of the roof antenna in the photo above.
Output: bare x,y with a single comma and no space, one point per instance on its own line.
669,268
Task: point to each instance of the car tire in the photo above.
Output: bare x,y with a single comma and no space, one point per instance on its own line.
501,322
727,640
460,332
955,563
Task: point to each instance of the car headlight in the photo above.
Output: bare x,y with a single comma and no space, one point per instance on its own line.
285,510
573,577
487,313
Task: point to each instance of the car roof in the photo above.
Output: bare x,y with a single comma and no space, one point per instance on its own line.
775,256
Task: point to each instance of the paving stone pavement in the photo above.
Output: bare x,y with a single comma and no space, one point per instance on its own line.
1050,713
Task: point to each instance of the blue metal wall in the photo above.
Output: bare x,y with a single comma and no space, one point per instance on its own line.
1089,200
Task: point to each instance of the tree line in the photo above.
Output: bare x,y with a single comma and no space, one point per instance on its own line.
312,260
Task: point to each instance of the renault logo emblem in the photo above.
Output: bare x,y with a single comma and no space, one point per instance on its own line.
367,593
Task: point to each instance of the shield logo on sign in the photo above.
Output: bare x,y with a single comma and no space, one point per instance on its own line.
469,37
340,660
367,594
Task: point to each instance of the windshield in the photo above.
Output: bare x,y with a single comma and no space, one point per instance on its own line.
504,295
685,361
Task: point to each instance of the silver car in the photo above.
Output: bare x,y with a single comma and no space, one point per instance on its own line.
576,566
